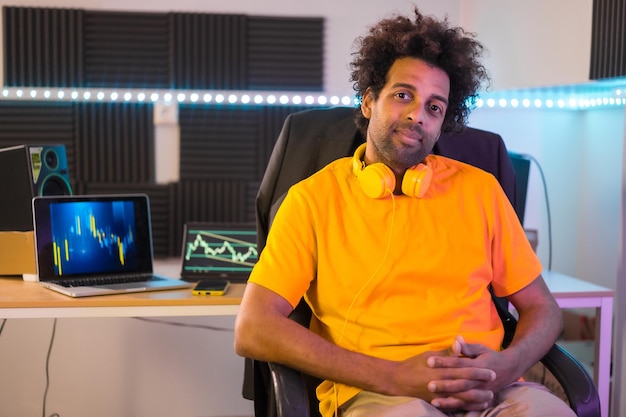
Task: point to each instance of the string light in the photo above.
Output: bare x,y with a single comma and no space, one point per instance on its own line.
153,96
594,94
611,93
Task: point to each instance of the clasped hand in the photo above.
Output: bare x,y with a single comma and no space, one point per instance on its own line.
464,377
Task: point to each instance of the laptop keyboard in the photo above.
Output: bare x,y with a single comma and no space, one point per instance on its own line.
102,280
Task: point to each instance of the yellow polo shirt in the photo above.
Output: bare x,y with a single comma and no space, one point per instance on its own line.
397,276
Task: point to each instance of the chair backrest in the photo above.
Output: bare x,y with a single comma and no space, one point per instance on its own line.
311,139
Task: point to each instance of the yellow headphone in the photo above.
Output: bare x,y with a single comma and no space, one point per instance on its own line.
378,180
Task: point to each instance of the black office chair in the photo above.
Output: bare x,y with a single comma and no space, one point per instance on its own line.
308,141
292,394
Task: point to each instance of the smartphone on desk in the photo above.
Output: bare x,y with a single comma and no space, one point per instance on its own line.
211,287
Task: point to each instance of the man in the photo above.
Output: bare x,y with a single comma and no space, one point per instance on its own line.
394,250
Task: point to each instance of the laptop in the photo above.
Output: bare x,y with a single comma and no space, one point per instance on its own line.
213,250
96,245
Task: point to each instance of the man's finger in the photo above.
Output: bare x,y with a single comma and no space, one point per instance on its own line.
471,350
455,348
449,362
473,400
451,403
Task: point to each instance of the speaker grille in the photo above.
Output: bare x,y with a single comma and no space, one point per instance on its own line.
49,170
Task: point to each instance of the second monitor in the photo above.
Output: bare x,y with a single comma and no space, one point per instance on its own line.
218,250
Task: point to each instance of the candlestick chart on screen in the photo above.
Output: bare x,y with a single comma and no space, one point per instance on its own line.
92,236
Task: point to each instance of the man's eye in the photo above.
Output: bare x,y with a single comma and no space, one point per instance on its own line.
435,108
403,96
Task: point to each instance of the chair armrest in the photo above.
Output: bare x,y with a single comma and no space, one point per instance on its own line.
290,391
292,398
578,385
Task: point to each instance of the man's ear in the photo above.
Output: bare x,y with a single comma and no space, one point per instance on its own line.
366,103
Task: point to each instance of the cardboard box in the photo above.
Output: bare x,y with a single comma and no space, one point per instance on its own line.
578,325
17,253
533,237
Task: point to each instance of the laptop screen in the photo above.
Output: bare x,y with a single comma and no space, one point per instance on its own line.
219,249
92,235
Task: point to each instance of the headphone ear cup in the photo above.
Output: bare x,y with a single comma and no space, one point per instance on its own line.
377,180
416,180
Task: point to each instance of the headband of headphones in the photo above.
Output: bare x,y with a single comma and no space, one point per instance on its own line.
378,180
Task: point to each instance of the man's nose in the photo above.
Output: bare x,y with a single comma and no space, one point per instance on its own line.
415,112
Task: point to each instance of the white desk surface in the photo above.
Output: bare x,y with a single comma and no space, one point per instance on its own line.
564,286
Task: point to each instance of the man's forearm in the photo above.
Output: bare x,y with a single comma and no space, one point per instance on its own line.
273,338
535,334
263,331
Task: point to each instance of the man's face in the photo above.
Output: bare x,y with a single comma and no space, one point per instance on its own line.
405,120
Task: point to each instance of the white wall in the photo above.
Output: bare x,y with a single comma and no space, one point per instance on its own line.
533,42
108,367
580,153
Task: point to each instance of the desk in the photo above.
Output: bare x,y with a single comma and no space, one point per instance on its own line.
571,292
19,299
148,368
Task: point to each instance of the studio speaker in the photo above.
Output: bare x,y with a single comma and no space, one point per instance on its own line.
27,171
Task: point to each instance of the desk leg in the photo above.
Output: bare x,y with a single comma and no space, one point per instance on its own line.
602,368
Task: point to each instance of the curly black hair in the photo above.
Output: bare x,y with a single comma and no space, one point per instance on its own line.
450,48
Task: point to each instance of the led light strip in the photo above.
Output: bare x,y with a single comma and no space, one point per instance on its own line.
227,97
547,98
601,93
571,103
